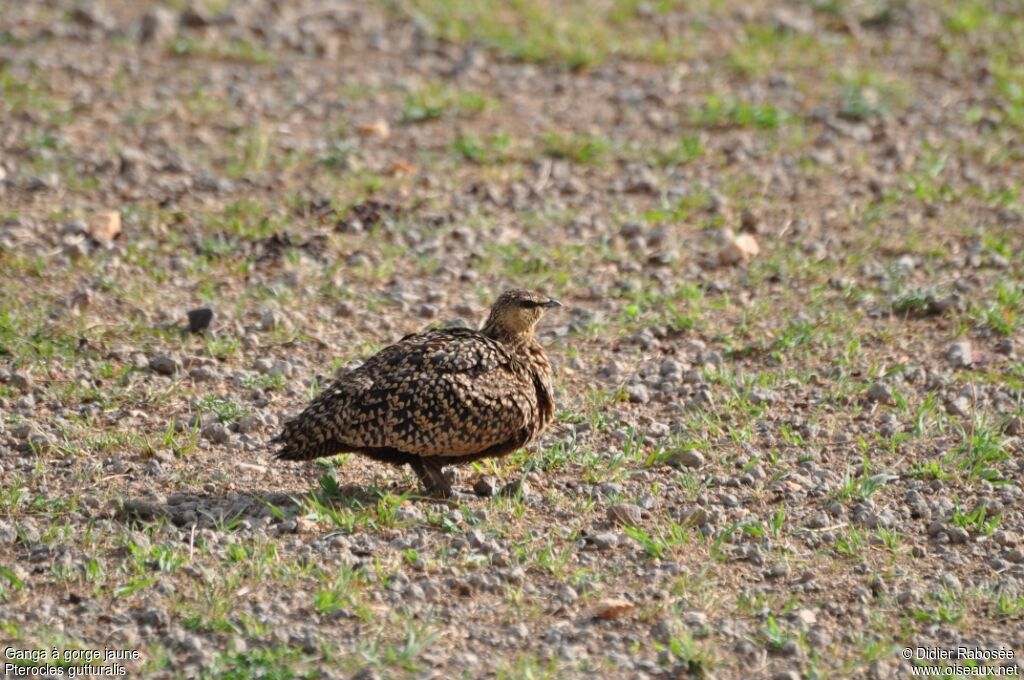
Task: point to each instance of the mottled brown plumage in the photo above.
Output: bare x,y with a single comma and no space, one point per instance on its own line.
437,398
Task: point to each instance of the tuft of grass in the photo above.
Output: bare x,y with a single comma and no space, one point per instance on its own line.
579,148
981,449
945,609
867,94
663,542
281,663
1003,312
976,520
344,593
697,661
270,381
687,149
572,34
859,488
493,149
437,99
402,653
237,50
851,544
719,112
225,410
775,637
252,152
9,582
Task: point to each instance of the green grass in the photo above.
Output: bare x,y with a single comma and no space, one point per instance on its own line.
234,50
435,100
976,520
719,112
663,541
492,149
764,49
32,94
226,411
982,448
344,593
579,148
401,653
280,662
9,581
570,34
687,149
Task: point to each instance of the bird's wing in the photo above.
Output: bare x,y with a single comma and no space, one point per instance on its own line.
449,392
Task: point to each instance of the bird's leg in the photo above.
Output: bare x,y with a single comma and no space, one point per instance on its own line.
432,478
421,473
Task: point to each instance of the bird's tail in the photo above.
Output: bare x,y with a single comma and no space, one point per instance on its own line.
303,438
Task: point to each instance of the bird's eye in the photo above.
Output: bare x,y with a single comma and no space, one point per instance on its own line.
529,304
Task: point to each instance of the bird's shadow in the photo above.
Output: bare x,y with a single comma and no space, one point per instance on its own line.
231,510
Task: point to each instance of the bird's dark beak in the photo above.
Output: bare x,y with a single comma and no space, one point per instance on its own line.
552,303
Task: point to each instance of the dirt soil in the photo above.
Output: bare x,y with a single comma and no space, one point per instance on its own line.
788,238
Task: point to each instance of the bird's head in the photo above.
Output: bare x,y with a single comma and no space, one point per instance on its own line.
516,312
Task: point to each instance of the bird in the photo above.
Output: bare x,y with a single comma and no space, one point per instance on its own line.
438,397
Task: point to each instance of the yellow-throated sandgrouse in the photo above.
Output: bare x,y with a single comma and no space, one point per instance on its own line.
437,398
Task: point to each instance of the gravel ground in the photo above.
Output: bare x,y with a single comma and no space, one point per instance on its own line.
788,240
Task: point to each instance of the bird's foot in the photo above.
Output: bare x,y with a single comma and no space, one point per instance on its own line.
433,479
437,491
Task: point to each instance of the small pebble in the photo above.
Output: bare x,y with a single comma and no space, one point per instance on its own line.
164,364
688,458
485,486
625,514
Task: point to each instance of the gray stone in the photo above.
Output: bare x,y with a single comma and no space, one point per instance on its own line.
950,581
247,424
960,407
216,433
409,513
604,541
485,486
760,396
516,487
958,535
203,419
879,393
21,381
21,431
40,442
689,458
75,247
281,368
806,618
8,534
671,367
695,516
567,594
638,393
960,354
164,364
154,617
202,374
625,514
157,25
